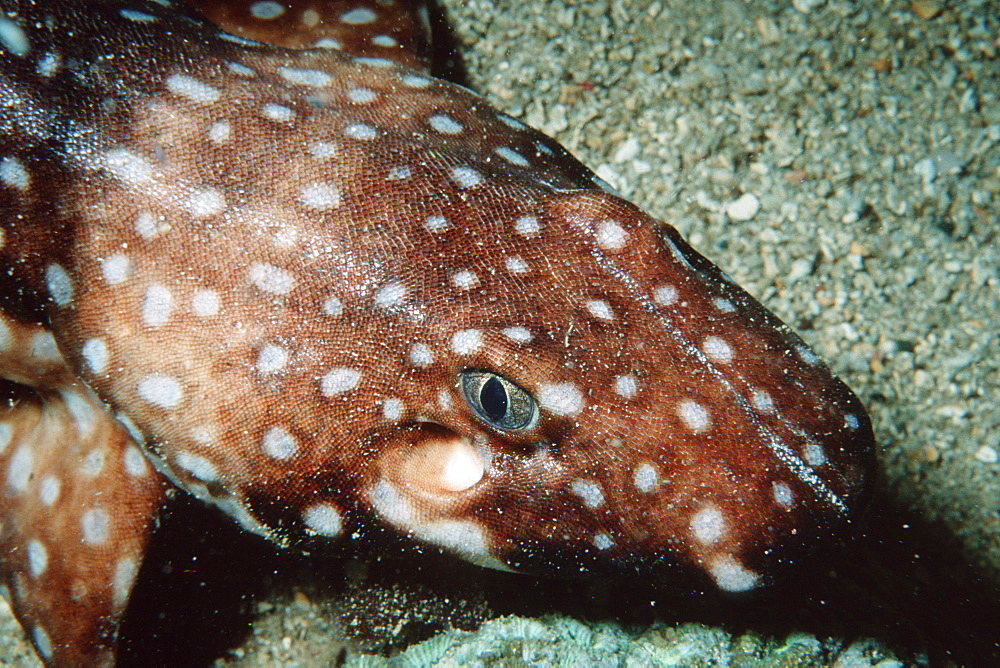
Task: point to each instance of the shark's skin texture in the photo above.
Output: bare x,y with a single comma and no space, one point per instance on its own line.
319,287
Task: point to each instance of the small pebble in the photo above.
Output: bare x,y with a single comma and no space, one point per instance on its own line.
807,6
926,170
744,208
987,454
925,9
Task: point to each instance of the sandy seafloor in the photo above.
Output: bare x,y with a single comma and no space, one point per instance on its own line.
869,133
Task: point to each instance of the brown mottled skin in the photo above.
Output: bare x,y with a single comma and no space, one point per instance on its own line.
316,288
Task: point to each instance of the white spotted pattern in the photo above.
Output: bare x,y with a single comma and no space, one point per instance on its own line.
466,341
338,381
694,416
561,399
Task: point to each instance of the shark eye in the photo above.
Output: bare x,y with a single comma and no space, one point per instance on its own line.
497,401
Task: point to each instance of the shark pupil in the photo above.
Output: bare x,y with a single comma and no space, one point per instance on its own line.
493,399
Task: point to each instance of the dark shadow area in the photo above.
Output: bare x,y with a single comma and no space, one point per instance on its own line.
446,61
903,582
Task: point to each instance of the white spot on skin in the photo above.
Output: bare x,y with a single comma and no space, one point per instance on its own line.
116,269
205,203
782,494
694,416
512,123
59,285
626,386
80,409
361,95
19,469
313,78
392,409
160,390
135,462
333,306
708,525
602,541
400,173
13,38
126,571
277,112
322,150
421,356
137,16
48,490
266,10
762,401
220,132
323,520
240,69
190,88
445,124
384,40
437,224
271,279
851,422
38,558
49,65
560,399
271,359
360,131
730,575
321,196
645,478
340,380
527,226
611,236
466,341
44,348
205,303
358,16
42,642
466,177
511,156
518,334
145,225
128,167
807,356
92,463
156,306
13,174
391,295
724,305
600,309
465,280
198,466
717,350
516,265
328,43
95,354
813,454
415,81
444,400
94,525
589,492
665,295
278,444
